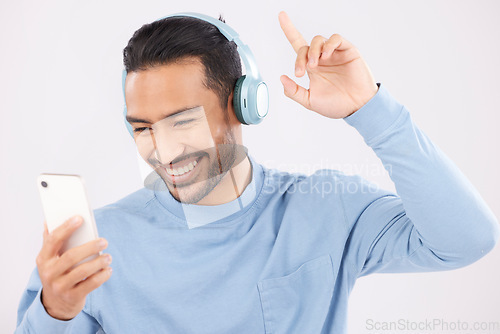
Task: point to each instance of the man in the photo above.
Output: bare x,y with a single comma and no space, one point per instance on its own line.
286,260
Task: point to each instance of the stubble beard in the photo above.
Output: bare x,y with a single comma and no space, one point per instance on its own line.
221,160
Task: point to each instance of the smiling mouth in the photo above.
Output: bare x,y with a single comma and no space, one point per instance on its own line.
184,172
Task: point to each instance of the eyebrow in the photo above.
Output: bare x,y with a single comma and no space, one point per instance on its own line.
132,119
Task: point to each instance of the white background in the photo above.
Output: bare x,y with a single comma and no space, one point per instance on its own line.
61,112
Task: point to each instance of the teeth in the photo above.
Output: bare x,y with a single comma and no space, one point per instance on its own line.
182,170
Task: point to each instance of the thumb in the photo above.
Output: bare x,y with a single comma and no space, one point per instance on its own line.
297,93
45,230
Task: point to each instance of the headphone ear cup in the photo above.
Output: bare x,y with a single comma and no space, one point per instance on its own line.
237,99
127,124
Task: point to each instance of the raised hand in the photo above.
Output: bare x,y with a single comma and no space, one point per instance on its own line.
340,80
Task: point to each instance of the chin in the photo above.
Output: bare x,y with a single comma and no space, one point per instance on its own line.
189,194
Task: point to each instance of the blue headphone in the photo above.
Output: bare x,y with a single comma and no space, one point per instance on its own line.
251,96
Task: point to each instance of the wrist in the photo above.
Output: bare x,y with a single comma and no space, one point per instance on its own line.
52,313
365,100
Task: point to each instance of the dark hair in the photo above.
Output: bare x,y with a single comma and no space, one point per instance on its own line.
175,39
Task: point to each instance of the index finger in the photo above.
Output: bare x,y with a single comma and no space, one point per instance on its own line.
292,34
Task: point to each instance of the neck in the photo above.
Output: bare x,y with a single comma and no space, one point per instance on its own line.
231,186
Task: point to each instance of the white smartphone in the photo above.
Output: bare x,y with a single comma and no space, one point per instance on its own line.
63,196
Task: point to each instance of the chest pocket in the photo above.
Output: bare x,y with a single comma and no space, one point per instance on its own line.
298,302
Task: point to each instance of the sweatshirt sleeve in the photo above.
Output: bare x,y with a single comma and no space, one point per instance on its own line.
33,318
436,221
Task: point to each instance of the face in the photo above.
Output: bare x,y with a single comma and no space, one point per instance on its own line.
180,129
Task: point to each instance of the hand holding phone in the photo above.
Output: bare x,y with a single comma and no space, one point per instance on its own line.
70,263
65,289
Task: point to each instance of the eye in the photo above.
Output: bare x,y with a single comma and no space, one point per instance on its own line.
136,130
183,122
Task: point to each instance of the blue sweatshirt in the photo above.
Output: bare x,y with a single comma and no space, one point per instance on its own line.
284,257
